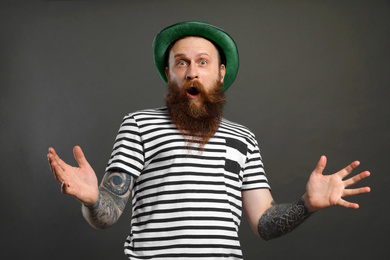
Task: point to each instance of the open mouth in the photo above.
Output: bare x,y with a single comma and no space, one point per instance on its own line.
193,92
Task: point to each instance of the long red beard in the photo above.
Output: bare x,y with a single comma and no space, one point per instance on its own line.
196,119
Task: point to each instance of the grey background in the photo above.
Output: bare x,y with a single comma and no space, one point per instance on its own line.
313,80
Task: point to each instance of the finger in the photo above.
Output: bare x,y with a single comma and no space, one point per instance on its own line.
347,170
52,151
357,178
354,192
50,157
349,205
79,156
49,161
58,171
54,157
320,165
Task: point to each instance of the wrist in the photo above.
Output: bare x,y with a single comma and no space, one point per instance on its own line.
93,204
306,200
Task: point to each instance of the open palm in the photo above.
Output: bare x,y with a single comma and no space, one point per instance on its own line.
323,191
80,182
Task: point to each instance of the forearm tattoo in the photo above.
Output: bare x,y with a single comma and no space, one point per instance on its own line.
114,193
282,218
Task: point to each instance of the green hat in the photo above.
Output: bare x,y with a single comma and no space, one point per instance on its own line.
217,36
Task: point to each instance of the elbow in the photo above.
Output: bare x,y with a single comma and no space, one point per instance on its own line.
94,220
261,232
99,225
267,230
264,235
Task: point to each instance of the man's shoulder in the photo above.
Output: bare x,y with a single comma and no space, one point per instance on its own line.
230,124
150,113
237,128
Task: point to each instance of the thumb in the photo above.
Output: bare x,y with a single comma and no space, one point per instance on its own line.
79,156
320,165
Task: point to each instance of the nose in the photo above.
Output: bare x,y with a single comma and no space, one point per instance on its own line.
192,72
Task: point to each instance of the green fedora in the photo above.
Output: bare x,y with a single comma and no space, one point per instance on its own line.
217,36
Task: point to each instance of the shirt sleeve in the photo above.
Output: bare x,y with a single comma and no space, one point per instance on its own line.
128,153
254,174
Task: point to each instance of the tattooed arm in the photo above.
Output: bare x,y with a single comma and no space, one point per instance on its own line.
102,206
114,192
269,220
281,219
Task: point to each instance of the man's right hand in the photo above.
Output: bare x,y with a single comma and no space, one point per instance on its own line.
80,182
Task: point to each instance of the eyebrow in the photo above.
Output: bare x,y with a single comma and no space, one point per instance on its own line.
183,55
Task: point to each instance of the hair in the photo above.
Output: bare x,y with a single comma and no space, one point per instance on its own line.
221,54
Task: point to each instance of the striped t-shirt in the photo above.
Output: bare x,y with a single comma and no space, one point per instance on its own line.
186,203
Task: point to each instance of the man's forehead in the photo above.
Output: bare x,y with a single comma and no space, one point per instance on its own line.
194,42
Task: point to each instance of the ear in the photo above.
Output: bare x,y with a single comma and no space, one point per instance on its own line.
167,72
222,71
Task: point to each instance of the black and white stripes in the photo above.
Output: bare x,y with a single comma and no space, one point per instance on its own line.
186,202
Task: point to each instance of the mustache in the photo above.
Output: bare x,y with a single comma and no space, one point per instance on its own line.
194,87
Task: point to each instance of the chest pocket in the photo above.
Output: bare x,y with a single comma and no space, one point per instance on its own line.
236,151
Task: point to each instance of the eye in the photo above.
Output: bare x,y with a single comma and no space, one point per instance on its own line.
181,63
203,62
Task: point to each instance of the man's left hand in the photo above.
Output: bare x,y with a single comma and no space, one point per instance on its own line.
323,191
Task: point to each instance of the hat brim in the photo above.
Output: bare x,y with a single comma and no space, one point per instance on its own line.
201,29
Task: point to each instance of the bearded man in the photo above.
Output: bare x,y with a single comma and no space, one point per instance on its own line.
189,170
196,110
